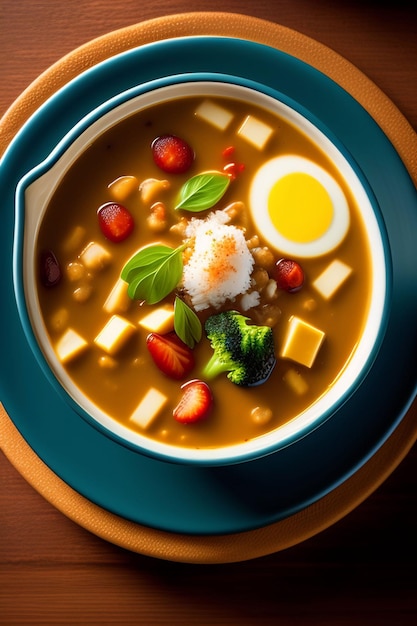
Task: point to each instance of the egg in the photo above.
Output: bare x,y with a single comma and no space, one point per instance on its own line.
298,207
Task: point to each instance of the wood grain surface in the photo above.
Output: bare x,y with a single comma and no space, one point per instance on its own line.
361,570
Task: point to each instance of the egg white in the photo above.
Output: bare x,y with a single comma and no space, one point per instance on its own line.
264,180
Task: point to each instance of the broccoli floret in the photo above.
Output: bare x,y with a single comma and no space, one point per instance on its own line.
244,350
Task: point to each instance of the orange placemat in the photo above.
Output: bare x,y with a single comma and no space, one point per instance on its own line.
317,517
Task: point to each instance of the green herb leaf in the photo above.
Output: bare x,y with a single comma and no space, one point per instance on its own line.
202,191
186,323
153,272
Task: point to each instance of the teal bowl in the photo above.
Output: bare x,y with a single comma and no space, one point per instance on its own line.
244,489
36,189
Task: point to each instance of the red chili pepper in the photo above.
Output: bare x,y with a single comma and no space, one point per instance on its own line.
228,152
233,169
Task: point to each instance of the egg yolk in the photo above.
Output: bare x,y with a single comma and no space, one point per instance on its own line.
299,207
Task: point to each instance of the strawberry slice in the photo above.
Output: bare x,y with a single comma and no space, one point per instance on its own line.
173,357
115,221
172,154
195,404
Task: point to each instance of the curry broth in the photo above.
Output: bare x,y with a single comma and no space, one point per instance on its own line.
125,150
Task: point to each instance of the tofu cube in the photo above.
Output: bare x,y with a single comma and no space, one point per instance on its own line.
295,381
214,114
118,301
302,342
114,334
70,346
95,257
160,320
148,408
255,132
332,278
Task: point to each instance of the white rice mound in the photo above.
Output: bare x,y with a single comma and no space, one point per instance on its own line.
221,264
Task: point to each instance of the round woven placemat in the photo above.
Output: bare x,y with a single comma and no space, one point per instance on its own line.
325,512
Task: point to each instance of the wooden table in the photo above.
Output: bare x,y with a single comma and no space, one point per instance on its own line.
361,570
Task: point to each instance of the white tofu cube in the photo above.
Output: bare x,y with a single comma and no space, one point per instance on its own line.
302,342
114,335
118,301
332,278
255,132
95,257
214,114
295,381
70,346
148,408
160,320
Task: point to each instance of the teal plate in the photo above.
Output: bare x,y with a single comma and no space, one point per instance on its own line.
217,500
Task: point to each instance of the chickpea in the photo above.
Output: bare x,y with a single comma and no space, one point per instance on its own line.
310,305
150,187
157,220
82,293
107,362
261,415
180,227
75,271
263,257
267,315
123,187
260,278
59,320
235,211
253,242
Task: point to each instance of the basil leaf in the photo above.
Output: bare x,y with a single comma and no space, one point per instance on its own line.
145,259
202,191
153,272
186,323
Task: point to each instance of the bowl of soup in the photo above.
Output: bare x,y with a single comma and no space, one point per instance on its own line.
201,270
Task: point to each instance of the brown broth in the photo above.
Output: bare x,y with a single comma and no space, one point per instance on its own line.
125,150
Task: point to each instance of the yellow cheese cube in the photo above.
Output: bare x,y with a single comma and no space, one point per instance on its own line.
255,132
332,278
118,301
215,114
302,342
70,345
148,408
114,334
160,320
